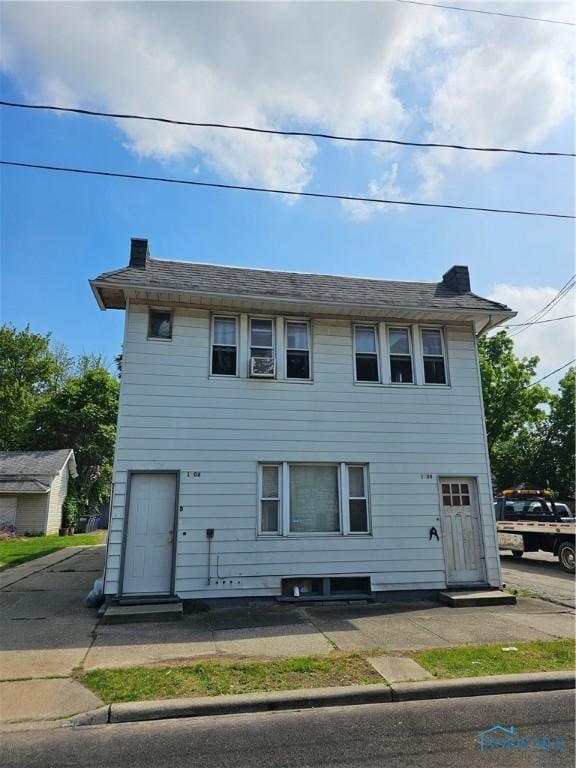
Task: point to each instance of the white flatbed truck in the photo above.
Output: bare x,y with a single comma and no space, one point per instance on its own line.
530,521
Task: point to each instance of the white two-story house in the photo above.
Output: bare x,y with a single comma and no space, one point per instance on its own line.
288,434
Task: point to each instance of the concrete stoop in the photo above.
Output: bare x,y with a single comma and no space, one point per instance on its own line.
131,614
476,598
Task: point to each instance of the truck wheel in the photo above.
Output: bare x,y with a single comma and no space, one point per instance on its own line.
516,553
566,556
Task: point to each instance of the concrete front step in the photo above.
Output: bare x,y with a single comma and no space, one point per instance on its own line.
130,614
479,598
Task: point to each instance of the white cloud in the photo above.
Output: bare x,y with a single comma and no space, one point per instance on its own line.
382,69
386,189
554,343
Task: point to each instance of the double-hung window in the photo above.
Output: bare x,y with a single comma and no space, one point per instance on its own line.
318,499
160,324
261,337
400,345
358,499
433,356
224,346
366,353
270,483
297,350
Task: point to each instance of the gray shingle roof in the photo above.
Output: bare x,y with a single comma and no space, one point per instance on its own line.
264,283
23,486
17,463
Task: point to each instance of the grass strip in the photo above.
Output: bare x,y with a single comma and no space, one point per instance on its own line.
216,678
17,551
476,660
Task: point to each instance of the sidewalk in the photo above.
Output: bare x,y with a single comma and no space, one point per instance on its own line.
47,632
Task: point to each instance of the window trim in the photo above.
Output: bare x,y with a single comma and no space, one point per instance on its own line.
410,330
374,326
444,356
213,319
301,321
149,336
284,499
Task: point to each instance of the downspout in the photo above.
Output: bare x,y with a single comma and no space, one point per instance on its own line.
481,331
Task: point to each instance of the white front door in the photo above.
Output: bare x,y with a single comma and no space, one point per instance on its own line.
150,534
461,528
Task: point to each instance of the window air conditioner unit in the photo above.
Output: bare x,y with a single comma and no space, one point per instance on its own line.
262,367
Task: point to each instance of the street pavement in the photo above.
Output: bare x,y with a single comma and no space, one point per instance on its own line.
539,573
432,734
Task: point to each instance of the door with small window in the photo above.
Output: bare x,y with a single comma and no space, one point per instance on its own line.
463,551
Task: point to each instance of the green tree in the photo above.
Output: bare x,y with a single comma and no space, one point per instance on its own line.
557,451
29,372
510,404
82,416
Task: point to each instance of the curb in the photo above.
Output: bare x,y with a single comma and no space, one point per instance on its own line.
326,697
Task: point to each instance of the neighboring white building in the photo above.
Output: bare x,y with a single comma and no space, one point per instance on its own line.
280,430
33,486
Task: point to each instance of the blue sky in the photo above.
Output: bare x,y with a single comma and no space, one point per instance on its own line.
60,230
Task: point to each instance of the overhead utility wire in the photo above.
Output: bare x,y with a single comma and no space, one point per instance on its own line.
537,316
537,322
251,129
568,285
551,373
293,193
487,13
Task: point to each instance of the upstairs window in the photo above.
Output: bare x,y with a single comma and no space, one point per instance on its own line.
434,357
160,324
261,337
224,346
401,369
297,350
366,353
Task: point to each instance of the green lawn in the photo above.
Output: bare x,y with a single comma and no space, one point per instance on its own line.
214,678
16,551
475,660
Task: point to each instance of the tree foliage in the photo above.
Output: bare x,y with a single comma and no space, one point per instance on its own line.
29,373
48,401
530,431
509,402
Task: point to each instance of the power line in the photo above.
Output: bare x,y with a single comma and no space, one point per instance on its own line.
293,193
251,129
488,13
564,290
537,322
551,373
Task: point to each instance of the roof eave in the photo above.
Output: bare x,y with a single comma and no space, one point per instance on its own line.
500,315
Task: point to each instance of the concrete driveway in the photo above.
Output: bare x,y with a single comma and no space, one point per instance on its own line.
539,573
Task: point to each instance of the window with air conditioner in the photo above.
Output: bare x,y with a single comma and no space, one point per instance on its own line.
262,347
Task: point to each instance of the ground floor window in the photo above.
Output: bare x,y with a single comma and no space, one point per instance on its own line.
304,498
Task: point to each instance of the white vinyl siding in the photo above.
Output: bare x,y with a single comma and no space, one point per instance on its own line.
58,491
172,416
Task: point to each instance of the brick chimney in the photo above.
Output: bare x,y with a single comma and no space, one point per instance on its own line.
457,279
139,253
